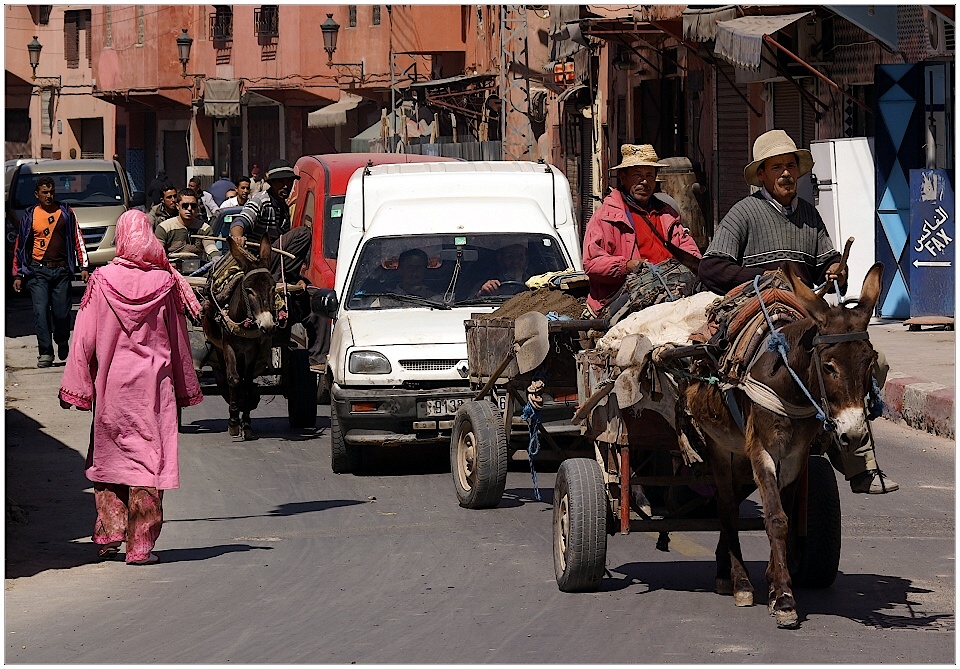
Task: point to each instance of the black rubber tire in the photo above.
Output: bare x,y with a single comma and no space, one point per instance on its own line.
478,477
301,383
344,458
814,560
323,388
579,526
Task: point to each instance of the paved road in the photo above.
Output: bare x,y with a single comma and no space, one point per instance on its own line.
268,557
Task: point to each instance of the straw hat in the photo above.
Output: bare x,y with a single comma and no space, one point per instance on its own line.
638,154
775,143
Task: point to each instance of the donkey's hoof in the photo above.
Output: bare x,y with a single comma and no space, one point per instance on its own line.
787,619
233,430
724,586
743,598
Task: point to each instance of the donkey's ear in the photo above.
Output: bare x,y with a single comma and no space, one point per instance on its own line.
265,251
241,256
815,306
869,294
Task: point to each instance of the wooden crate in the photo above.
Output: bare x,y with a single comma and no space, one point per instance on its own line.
488,343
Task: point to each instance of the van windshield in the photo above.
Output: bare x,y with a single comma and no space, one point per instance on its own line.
444,271
78,189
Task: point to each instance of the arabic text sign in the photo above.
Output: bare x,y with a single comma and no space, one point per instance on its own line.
932,251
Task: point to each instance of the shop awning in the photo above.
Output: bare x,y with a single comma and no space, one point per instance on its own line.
740,41
221,98
335,114
700,25
569,92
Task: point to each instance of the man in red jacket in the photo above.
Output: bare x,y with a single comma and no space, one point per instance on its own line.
634,224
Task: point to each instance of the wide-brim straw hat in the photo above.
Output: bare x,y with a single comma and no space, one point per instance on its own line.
775,143
280,169
635,155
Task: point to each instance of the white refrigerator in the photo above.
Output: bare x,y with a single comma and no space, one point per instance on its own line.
844,178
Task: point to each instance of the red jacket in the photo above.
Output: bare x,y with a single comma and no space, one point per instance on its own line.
610,241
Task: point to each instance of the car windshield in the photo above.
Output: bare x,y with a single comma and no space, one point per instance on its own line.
78,189
443,271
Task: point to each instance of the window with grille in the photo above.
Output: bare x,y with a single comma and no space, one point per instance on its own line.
376,15
266,21
46,111
73,22
221,24
352,9
140,25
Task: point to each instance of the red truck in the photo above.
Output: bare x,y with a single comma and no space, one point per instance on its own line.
318,197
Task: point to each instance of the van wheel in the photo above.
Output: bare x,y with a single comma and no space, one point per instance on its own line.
344,457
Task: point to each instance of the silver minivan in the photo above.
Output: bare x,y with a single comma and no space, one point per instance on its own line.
97,190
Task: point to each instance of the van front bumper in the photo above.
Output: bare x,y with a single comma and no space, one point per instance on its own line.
394,416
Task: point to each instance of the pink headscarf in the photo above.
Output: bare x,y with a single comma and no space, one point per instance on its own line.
138,246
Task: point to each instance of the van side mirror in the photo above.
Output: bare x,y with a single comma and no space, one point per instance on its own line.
324,301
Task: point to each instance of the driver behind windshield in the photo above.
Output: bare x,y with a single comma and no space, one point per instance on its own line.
511,267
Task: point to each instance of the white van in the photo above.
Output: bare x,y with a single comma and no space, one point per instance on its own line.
419,246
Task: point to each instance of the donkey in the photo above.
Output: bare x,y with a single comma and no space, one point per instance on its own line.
238,321
831,355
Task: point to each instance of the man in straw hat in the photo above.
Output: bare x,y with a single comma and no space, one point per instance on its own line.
632,225
773,228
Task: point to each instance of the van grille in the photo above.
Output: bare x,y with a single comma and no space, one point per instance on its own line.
428,365
93,236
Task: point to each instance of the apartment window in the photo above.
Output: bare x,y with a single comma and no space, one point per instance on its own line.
266,21
140,25
46,111
43,14
352,9
221,24
108,19
376,15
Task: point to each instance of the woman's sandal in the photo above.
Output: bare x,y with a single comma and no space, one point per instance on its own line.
110,550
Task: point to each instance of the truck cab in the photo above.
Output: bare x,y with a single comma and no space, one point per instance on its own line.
420,247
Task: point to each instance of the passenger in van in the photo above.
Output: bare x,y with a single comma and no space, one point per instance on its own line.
412,268
512,263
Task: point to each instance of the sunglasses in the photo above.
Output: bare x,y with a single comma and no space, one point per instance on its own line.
189,205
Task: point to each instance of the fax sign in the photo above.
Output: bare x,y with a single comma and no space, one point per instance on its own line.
932,254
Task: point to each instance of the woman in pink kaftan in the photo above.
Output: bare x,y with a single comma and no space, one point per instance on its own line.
130,363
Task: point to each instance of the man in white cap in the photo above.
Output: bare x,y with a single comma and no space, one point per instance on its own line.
773,228
634,224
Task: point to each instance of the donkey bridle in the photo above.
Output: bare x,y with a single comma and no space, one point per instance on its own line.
246,329
823,340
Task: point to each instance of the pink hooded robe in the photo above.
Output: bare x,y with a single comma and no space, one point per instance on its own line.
130,362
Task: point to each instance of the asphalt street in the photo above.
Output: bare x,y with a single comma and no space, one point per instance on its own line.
268,557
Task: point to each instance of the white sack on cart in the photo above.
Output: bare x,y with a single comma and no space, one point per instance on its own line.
667,322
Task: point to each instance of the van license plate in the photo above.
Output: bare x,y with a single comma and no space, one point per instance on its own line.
445,407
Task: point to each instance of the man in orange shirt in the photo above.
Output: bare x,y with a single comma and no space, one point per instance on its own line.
49,250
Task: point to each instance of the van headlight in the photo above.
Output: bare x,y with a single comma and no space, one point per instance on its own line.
369,362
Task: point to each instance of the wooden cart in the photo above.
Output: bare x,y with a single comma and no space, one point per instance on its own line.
487,430
594,497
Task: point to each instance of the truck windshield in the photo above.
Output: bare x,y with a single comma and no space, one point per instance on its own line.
78,189
447,270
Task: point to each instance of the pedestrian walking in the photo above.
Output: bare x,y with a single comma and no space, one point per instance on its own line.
131,364
47,253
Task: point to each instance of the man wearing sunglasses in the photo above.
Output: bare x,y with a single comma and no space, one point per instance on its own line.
176,234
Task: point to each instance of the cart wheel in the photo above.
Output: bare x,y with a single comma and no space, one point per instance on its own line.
579,526
478,455
344,457
814,559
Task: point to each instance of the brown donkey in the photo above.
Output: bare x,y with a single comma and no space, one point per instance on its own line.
831,355
239,322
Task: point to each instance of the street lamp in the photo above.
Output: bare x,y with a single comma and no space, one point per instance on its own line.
330,30
34,49
184,42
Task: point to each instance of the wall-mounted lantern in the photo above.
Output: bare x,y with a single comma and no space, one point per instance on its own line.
184,42
330,30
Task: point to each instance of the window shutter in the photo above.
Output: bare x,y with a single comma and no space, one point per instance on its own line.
71,39
46,111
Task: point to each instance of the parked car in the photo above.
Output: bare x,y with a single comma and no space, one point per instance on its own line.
97,190
398,355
